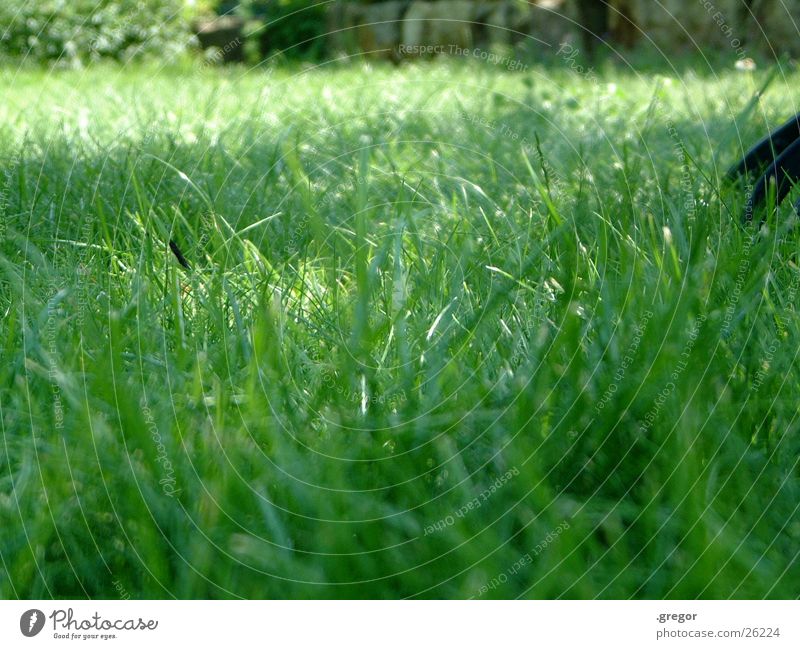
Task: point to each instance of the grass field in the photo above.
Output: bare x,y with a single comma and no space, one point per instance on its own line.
448,331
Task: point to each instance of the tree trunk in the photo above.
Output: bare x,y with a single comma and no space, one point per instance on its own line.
594,17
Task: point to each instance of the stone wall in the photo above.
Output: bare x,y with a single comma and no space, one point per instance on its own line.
775,26
744,27
678,23
399,29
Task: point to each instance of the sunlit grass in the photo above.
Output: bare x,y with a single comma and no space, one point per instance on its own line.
447,332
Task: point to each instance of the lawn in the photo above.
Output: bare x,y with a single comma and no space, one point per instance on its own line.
446,331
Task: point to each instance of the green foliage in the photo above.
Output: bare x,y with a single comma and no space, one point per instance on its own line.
73,32
294,27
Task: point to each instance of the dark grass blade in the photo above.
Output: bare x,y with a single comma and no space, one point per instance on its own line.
179,255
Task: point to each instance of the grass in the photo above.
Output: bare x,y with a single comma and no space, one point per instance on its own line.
448,331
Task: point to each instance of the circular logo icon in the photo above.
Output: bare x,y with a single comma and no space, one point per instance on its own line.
31,622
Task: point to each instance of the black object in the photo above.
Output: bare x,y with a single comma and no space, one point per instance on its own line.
776,160
179,255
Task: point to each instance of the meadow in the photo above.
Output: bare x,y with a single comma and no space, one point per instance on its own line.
446,331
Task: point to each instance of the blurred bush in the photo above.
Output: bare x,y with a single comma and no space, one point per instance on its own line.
73,32
294,27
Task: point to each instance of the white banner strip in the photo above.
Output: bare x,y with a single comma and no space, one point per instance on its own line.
386,625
